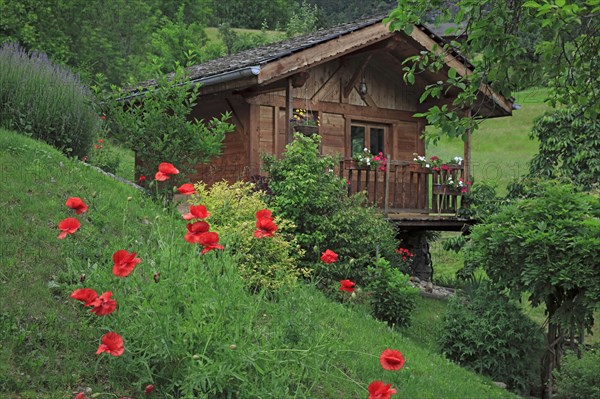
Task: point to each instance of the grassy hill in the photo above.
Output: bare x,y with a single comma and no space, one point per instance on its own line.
300,345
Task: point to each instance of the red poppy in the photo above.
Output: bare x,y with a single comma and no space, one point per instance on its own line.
165,170
263,213
347,285
142,178
195,230
104,305
85,295
80,395
329,256
265,228
197,212
124,263
77,204
391,359
209,241
68,226
149,388
112,343
187,189
378,390
102,117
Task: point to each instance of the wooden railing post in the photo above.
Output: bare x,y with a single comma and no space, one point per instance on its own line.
386,194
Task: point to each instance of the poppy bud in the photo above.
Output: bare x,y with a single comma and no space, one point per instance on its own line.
233,347
129,198
196,357
156,277
94,194
82,278
149,388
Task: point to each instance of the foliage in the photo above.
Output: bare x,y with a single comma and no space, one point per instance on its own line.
392,297
46,101
569,147
104,156
267,263
303,20
158,126
546,247
174,43
252,14
578,378
486,333
566,52
306,191
240,41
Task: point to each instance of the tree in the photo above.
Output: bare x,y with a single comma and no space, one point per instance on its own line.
569,147
566,53
546,247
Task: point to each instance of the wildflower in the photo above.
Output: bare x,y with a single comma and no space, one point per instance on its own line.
103,305
329,256
165,170
85,295
112,343
265,227
378,390
149,389
197,212
391,359
124,263
103,117
187,189
195,230
80,395
142,178
264,213
347,285
76,204
209,241
445,167
68,226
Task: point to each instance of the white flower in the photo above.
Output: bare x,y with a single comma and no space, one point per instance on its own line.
426,165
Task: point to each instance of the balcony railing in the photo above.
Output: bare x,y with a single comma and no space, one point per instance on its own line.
406,188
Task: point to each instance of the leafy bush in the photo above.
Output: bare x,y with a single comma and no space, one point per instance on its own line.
306,191
267,263
579,378
159,127
393,298
486,333
45,101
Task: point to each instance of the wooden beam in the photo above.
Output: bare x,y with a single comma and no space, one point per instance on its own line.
358,73
289,111
323,52
236,120
368,99
313,99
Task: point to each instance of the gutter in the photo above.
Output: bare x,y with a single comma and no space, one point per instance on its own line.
241,73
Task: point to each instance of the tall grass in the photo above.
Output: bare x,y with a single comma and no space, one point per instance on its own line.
46,101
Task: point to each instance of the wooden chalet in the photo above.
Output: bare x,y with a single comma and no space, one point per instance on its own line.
350,77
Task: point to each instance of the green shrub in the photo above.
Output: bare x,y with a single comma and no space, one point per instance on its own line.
579,378
486,333
267,263
393,298
306,191
45,101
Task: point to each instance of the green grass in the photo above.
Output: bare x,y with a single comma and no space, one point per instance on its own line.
273,35
500,148
301,342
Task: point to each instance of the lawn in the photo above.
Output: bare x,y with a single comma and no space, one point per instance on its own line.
197,319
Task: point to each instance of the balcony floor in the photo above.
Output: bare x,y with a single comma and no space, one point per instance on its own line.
430,221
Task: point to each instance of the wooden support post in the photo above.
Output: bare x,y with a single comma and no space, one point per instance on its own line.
289,110
467,151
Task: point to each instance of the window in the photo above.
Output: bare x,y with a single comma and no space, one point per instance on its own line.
367,136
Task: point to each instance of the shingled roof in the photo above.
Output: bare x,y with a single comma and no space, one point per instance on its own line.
259,56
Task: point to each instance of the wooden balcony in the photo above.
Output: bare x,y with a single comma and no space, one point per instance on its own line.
416,198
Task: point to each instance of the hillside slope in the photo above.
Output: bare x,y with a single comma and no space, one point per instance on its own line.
300,345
